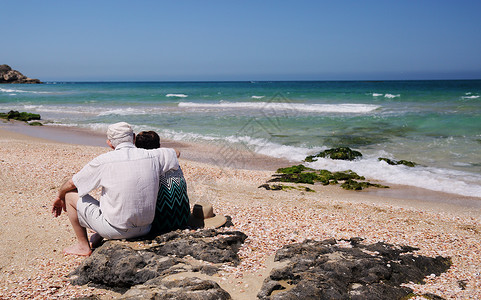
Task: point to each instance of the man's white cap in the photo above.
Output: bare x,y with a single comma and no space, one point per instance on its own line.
119,130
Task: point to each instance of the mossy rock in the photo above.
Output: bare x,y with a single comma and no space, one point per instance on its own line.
19,116
281,187
296,174
399,162
309,178
343,153
294,169
303,174
35,124
357,186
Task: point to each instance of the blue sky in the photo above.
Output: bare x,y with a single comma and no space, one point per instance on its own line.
241,40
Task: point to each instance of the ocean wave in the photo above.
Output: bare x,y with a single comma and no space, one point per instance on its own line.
75,110
436,179
257,145
471,97
22,91
257,97
377,94
177,95
392,96
293,107
125,111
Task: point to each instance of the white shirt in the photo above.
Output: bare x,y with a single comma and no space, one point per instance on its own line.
129,178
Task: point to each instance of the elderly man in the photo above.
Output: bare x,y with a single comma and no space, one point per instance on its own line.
129,178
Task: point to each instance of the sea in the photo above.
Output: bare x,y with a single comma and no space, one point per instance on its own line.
436,124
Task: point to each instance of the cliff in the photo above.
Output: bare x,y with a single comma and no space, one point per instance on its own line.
7,75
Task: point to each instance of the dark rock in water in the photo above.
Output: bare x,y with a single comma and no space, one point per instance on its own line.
400,162
19,116
188,288
328,270
7,75
128,263
344,153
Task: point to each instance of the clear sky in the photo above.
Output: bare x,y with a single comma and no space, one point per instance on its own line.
159,40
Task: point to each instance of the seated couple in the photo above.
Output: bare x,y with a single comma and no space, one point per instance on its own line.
143,191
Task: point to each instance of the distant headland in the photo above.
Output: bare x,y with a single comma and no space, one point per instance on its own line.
8,75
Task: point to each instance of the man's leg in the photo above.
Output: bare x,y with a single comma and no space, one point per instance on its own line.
83,245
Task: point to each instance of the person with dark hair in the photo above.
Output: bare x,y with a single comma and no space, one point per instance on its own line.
147,140
172,209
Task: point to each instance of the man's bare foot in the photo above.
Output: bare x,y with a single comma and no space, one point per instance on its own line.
95,240
78,249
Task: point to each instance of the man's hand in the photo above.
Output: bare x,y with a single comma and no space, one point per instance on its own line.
57,206
59,203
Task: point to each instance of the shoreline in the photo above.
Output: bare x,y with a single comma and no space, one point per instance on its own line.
31,239
247,160
200,152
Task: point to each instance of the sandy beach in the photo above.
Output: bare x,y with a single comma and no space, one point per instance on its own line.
32,265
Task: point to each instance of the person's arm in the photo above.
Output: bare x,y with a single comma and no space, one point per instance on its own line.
177,152
59,203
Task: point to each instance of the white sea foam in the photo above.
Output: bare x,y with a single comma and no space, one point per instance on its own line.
74,110
177,95
22,91
292,107
377,94
471,97
258,145
436,179
124,111
392,96
257,97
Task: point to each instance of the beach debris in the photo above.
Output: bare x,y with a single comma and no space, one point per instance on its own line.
399,162
344,153
19,116
348,269
8,75
303,174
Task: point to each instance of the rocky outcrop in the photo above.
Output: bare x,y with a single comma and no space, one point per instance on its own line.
19,116
8,75
187,288
329,269
125,264
348,270
344,153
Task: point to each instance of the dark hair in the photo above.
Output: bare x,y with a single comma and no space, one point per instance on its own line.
147,140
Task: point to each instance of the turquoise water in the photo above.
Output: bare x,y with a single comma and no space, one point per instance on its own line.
434,123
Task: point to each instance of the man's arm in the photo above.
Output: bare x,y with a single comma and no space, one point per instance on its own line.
177,152
59,203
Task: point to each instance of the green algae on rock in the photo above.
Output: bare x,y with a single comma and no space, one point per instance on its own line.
357,186
19,116
398,162
303,174
344,153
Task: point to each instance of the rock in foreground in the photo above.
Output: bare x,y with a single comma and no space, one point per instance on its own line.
331,270
122,264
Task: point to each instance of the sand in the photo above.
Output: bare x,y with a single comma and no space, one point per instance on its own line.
31,239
